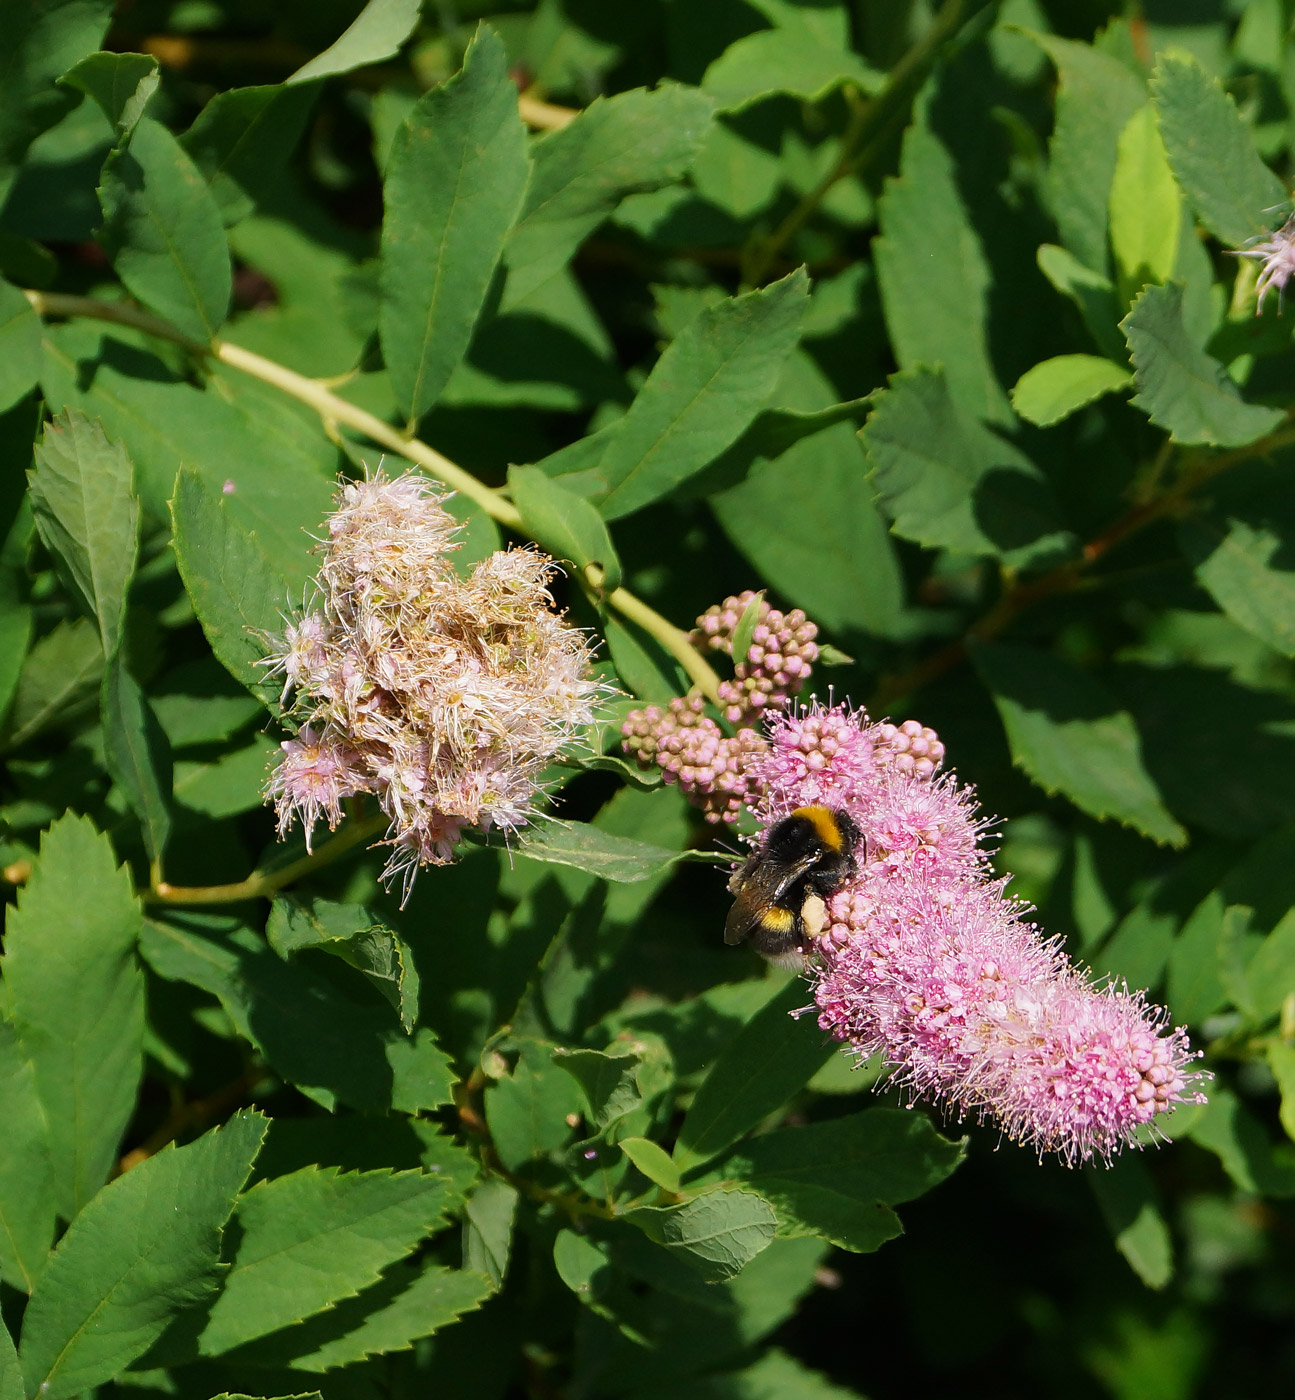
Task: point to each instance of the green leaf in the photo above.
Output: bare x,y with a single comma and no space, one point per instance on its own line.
744,632
608,1079
20,346
581,1265
26,1170
527,1109
164,233
717,1234
616,858
137,753
145,1249
333,1037
630,143
936,306
1195,989
1056,388
454,185
1127,1196
949,482
1069,735
1098,94
771,1058
76,996
838,1179
1281,1060
1271,971
233,586
488,1229
42,41
774,61
564,523
376,34
121,83
1146,207
11,1386
712,380
1229,1130
804,517
1180,387
230,784
1241,566
1091,293
309,1240
60,670
1212,152
406,1305
653,1161
349,932
273,469
86,513
241,140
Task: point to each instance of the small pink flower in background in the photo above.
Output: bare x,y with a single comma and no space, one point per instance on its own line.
1277,254
444,697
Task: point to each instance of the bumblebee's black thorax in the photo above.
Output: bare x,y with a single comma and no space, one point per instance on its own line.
812,852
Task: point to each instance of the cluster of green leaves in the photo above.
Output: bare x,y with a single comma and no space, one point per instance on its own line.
921,317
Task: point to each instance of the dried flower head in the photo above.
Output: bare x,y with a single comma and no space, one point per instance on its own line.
925,961
443,697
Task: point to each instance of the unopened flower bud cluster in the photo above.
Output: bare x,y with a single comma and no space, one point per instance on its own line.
777,663
442,697
688,745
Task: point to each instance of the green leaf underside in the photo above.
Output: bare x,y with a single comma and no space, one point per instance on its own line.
454,186
1058,387
1180,387
1234,194
718,1233
771,1058
616,858
76,996
1069,735
146,1248
376,34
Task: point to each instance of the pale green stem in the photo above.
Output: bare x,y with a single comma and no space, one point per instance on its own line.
263,884
333,409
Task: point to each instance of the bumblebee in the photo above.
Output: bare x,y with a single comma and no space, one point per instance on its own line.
780,892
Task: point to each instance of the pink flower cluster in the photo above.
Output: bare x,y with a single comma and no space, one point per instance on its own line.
1277,254
926,962
443,697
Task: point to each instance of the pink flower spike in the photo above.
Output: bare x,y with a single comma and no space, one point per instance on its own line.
1277,254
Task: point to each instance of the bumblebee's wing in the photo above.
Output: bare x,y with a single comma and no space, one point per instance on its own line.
760,883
